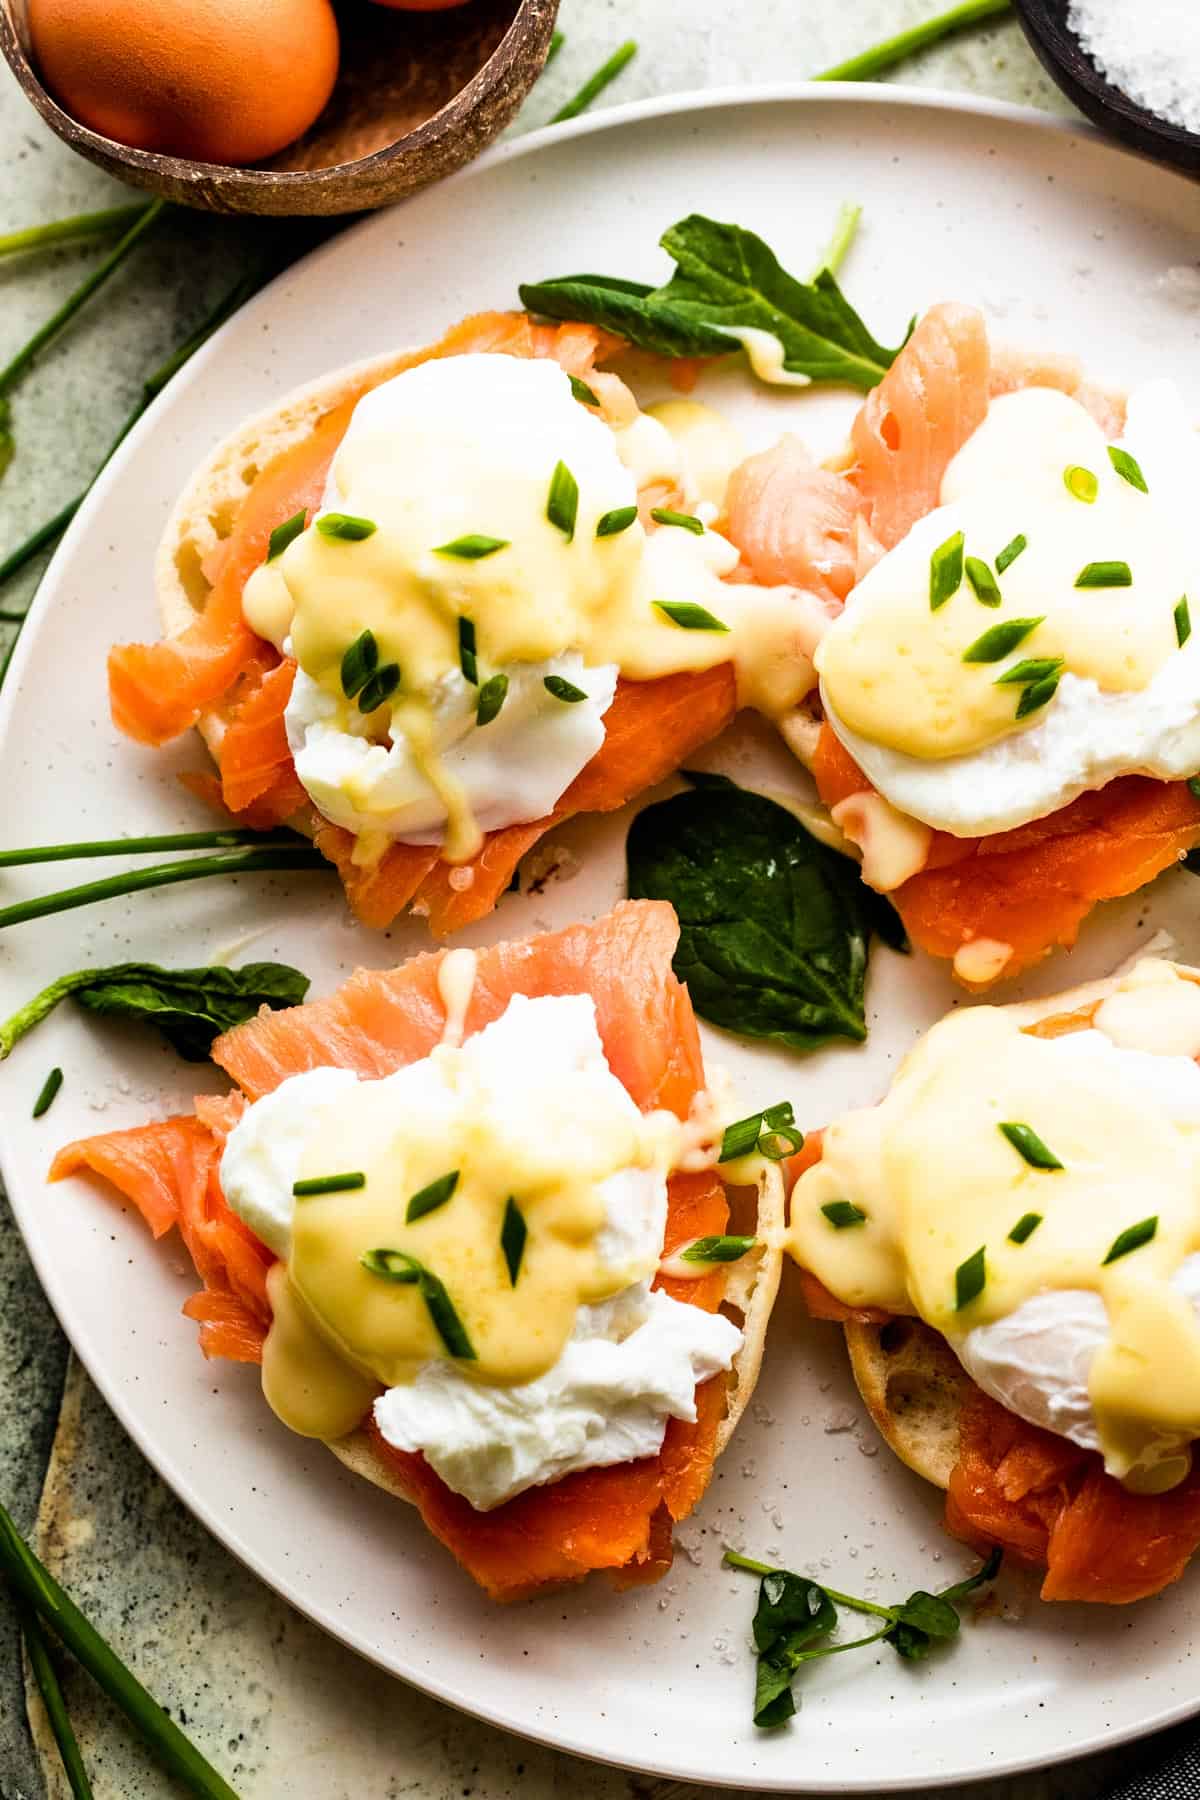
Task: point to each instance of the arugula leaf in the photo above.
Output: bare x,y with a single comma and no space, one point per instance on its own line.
189,1006
774,926
725,277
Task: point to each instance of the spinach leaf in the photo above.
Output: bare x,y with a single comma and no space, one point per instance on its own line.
189,1006
774,926
726,280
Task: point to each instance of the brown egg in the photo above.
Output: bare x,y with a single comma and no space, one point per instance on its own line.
223,81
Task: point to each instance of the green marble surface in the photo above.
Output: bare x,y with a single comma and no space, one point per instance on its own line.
265,1693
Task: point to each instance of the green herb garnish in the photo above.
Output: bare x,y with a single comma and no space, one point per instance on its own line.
471,548
359,663
492,696
1104,575
843,1213
582,392
983,582
41,1667
945,571
1028,1144
869,64
1081,483
1037,695
619,519
290,854
724,1249
563,690
1033,668
687,521
48,1093
562,504
688,615
1131,1239
283,534
513,1233
467,660
399,1266
429,1198
970,1278
999,640
329,1184
1024,1228
1127,467
380,688
345,527
596,84
1183,621
771,1133
1010,552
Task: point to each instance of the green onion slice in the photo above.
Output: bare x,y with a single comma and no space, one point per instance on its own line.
686,521
619,519
1024,1228
1127,467
717,1249
492,696
945,571
983,582
771,1133
471,548
999,640
1011,551
513,1233
329,1184
1037,695
1131,1239
467,661
1033,668
970,1278
843,1213
1025,1140
1183,621
429,1198
1104,575
379,688
400,1267
1082,483
283,534
582,392
49,1090
359,663
345,527
563,689
690,616
562,506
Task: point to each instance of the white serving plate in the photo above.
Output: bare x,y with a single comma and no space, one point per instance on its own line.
1066,243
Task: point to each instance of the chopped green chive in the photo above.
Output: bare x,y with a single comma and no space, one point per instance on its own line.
595,84
1037,695
982,581
379,688
1104,575
1011,551
619,519
687,521
359,663
471,548
1194,786
492,696
1131,1239
1183,621
513,1233
467,661
50,1087
945,571
582,392
970,1278
1025,1227
328,1184
562,506
1127,467
1025,1140
399,1266
563,689
428,1199
1033,668
1081,483
999,640
688,615
283,534
717,1249
842,1213
346,527
771,1133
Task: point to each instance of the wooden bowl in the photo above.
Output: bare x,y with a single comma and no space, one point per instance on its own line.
417,96
1058,49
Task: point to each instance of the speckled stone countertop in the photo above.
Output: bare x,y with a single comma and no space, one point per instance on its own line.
281,1707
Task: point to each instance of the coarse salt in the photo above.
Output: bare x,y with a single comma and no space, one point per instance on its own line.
1150,51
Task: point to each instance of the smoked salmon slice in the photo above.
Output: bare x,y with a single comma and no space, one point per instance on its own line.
794,521
617,1519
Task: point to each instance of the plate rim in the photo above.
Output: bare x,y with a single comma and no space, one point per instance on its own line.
907,97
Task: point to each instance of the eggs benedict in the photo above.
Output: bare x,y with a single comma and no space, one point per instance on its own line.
1012,1239
470,1217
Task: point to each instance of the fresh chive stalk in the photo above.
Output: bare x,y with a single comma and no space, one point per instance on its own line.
771,1133
870,63
845,230
562,504
983,582
37,1649
563,690
513,1233
36,1588
312,1185
1082,484
48,1093
1008,556
721,1249
359,662
283,534
619,519
1104,575
399,1266
140,846
473,547
662,515
492,696
1183,621
945,571
1132,1238
1026,1142
345,528
379,687
1037,694
843,1213
970,1279
429,1198
132,881
689,616
583,393
1033,668
1025,1227
1000,640
1127,467
595,85
69,231
468,660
